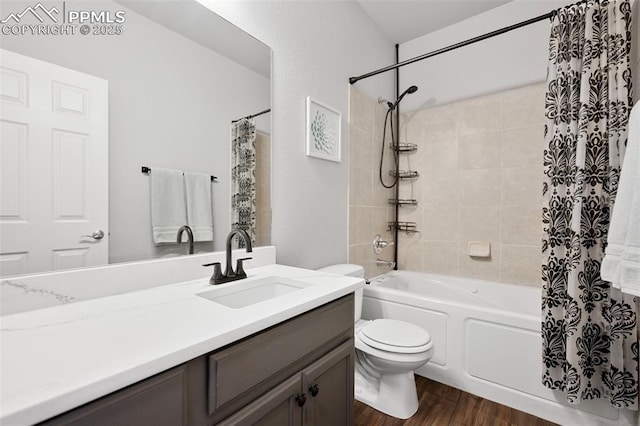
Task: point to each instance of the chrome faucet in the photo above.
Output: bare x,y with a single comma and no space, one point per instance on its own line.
229,274
390,263
189,237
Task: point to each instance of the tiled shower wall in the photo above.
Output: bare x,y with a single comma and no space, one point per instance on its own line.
480,165
369,208
263,189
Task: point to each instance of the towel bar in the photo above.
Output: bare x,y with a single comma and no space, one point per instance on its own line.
146,170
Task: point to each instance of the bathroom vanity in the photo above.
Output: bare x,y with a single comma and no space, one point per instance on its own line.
179,358
297,372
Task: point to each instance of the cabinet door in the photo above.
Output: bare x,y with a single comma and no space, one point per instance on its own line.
278,407
159,400
328,384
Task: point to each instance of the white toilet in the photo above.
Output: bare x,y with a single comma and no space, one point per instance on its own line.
387,353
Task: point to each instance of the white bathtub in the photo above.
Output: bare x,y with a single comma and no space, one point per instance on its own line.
487,341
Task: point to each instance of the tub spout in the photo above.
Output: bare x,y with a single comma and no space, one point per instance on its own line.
390,263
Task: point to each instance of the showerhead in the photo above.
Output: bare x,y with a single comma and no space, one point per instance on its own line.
411,89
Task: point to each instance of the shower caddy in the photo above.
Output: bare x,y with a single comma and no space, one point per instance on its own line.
408,227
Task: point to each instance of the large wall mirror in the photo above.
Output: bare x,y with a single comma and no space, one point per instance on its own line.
176,76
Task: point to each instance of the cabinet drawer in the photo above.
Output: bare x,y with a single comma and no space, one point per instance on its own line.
237,369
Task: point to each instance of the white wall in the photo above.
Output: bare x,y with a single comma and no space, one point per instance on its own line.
170,105
511,60
317,46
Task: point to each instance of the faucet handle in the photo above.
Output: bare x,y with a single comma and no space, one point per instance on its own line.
239,269
217,273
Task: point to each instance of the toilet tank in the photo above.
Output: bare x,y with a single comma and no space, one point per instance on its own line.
351,270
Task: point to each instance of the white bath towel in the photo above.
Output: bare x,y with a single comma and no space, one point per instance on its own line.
199,214
621,263
168,208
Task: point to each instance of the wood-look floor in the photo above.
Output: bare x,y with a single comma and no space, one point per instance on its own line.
443,405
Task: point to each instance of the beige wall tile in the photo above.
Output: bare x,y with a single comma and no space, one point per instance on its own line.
439,189
481,268
360,224
521,225
413,127
360,187
441,257
362,254
410,255
440,155
378,124
523,146
263,226
388,162
361,109
481,114
381,195
381,219
479,151
523,106
522,185
360,152
479,187
442,122
412,214
521,265
263,197
479,223
440,223
376,147
410,189
414,160
477,183
263,155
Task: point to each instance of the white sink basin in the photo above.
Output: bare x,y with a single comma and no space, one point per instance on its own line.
240,294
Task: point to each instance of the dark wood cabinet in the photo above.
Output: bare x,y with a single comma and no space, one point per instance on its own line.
328,384
278,407
159,400
320,395
299,372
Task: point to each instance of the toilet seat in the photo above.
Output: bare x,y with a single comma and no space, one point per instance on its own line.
395,336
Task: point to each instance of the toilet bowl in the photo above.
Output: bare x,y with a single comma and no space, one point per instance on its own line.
387,353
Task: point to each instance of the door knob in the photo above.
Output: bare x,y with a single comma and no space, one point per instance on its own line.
96,235
301,399
315,389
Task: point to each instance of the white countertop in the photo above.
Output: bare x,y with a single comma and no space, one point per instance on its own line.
58,358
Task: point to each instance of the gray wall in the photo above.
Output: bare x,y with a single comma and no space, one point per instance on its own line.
316,46
508,61
171,102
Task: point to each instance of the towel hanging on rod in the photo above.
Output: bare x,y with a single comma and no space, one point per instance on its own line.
146,170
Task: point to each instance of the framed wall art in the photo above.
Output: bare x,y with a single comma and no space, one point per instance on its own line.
323,131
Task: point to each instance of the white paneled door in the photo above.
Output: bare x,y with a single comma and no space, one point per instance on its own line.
53,167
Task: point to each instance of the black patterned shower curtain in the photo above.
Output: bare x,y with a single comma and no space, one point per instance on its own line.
589,329
243,177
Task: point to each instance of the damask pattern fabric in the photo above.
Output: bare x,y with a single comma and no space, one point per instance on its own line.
243,178
589,329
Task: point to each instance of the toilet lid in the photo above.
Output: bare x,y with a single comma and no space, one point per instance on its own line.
395,336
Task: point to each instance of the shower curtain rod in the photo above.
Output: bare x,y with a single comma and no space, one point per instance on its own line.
352,80
253,116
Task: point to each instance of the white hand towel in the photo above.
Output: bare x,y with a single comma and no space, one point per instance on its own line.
168,209
621,263
199,211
